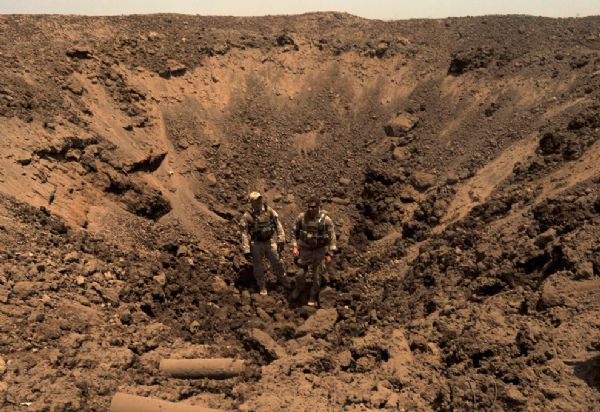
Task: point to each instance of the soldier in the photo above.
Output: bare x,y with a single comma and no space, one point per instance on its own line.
262,235
314,245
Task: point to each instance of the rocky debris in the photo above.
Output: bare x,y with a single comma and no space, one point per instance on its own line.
400,125
261,340
172,69
2,367
79,53
463,61
284,40
320,323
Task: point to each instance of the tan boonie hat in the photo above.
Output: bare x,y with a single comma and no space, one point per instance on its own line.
254,196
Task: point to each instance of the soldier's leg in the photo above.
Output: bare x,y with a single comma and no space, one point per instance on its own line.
258,253
317,266
303,266
299,283
277,265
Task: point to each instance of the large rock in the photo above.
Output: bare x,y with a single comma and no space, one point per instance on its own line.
400,125
265,344
321,322
422,181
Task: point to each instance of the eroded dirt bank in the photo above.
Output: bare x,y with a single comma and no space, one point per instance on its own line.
459,159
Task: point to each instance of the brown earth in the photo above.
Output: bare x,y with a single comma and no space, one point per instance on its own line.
459,159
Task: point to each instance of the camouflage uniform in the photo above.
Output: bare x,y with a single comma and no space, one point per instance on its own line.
261,233
315,238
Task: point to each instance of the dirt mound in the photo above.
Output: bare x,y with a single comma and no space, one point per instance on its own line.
458,158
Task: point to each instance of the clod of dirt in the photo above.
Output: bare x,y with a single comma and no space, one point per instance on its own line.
320,323
265,344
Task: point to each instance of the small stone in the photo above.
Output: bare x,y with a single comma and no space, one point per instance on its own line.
79,53
452,178
2,366
71,257
201,164
422,181
543,239
514,396
4,293
340,201
219,284
80,280
75,87
399,153
345,181
400,125
125,317
161,279
182,250
277,197
550,296
211,179
344,359
585,270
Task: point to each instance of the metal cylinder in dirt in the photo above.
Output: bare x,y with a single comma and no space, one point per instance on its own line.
123,402
217,368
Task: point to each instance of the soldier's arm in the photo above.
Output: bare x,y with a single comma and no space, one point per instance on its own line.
296,231
331,230
278,226
245,235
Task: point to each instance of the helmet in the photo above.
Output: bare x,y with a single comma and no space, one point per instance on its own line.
313,201
254,196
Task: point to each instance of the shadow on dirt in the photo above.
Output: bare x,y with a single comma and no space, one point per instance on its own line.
589,371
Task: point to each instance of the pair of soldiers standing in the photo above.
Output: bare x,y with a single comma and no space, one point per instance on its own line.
313,244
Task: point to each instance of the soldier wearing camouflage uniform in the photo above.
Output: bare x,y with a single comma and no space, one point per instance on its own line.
262,235
314,245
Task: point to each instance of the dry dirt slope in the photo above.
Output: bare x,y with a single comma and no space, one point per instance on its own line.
459,158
